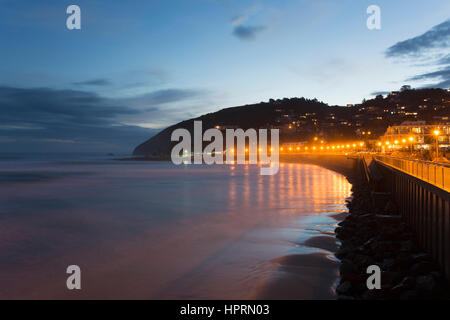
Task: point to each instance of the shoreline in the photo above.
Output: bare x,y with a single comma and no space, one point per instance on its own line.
378,236
312,275
373,236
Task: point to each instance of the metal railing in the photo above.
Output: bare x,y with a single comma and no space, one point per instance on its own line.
433,173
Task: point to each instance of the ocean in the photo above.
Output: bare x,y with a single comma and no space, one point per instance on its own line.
153,230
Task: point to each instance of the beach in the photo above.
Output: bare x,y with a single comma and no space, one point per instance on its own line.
152,230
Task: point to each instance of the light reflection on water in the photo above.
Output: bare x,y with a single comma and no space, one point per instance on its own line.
154,230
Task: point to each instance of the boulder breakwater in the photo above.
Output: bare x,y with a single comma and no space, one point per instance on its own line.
374,234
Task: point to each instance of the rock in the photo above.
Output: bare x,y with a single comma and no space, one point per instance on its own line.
387,264
409,295
347,267
377,236
383,248
426,284
375,294
343,233
366,216
363,261
389,278
354,278
408,282
421,257
407,246
343,252
437,275
403,260
344,288
421,268
344,297
388,219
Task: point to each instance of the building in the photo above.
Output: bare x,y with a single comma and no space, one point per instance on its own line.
416,135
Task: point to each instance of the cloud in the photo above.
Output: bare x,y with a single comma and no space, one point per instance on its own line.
376,93
443,76
430,49
444,60
160,97
46,119
247,32
238,20
45,105
93,82
436,37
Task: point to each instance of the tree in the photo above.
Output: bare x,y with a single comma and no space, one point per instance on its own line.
405,87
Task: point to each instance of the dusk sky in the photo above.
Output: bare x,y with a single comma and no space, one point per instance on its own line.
138,66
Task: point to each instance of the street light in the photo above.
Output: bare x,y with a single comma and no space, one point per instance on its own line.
411,139
436,133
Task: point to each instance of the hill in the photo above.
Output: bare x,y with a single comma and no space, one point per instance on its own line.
301,119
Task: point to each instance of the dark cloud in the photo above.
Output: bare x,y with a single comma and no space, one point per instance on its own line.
437,37
44,105
94,82
442,76
247,32
444,60
429,49
48,119
75,138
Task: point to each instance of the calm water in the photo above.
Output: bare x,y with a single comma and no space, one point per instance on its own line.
154,230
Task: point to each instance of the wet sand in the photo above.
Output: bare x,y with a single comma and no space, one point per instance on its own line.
311,276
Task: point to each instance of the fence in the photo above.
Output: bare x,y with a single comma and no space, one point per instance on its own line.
433,173
420,190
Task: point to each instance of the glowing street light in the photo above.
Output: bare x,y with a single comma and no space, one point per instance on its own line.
411,140
436,133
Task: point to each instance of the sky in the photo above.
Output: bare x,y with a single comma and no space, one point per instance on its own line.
136,67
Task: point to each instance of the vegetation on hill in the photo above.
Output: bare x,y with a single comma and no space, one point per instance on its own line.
301,119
